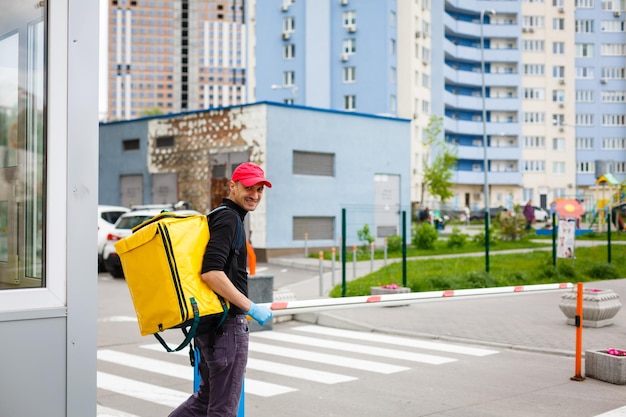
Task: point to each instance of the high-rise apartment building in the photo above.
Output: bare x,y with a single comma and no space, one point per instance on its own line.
600,95
540,82
168,56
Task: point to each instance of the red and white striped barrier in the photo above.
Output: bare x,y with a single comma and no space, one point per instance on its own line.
281,308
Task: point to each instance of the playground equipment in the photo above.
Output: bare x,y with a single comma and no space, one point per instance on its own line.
612,194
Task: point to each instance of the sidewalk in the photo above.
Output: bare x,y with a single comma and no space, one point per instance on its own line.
524,321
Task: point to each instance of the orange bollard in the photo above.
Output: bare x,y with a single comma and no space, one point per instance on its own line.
579,333
251,258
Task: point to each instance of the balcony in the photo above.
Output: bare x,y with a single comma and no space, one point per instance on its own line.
494,178
474,78
475,102
472,53
476,127
473,28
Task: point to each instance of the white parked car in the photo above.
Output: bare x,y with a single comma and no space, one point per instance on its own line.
541,215
123,227
107,216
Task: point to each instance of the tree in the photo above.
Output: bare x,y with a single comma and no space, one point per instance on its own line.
437,177
153,111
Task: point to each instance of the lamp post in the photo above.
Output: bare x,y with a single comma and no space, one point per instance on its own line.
485,161
294,91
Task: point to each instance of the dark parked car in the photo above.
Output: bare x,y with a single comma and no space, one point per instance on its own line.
493,213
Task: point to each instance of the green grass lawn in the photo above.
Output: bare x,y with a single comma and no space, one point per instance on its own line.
466,272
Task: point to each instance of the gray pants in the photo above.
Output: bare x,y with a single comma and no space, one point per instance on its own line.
222,368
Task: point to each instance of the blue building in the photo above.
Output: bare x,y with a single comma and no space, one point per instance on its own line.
550,116
600,91
319,161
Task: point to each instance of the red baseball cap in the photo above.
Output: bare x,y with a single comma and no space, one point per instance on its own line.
250,174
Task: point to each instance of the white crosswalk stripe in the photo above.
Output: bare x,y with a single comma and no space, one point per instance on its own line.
298,353
141,390
399,341
354,348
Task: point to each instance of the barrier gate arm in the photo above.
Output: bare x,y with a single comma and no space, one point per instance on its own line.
324,304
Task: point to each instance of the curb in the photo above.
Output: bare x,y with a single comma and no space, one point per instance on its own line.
331,320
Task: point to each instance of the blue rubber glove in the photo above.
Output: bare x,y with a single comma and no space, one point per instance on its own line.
260,313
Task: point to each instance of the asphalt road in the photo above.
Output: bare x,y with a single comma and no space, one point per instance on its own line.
306,370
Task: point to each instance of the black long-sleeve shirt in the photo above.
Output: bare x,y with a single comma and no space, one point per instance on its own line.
226,250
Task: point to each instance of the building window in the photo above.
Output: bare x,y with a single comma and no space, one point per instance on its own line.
584,96
558,144
558,71
533,45
289,51
613,143
584,143
349,102
534,117
585,167
289,78
349,74
558,96
349,46
534,69
613,49
130,144
558,24
616,96
585,26
289,24
558,48
313,228
613,120
584,50
534,166
584,4
165,141
558,167
584,72
314,163
612,25
533,21
534,94
534,142
583,119
349,18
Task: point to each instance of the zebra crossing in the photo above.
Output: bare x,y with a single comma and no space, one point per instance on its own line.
309,353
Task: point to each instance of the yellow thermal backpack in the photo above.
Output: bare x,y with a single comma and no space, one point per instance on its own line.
162,262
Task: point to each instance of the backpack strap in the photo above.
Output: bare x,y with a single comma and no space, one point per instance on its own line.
188,335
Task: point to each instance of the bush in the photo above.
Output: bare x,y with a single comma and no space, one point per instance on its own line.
456,239
601,271
567,270
479,238
394,243
365,236
511,226
425,236
480,280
